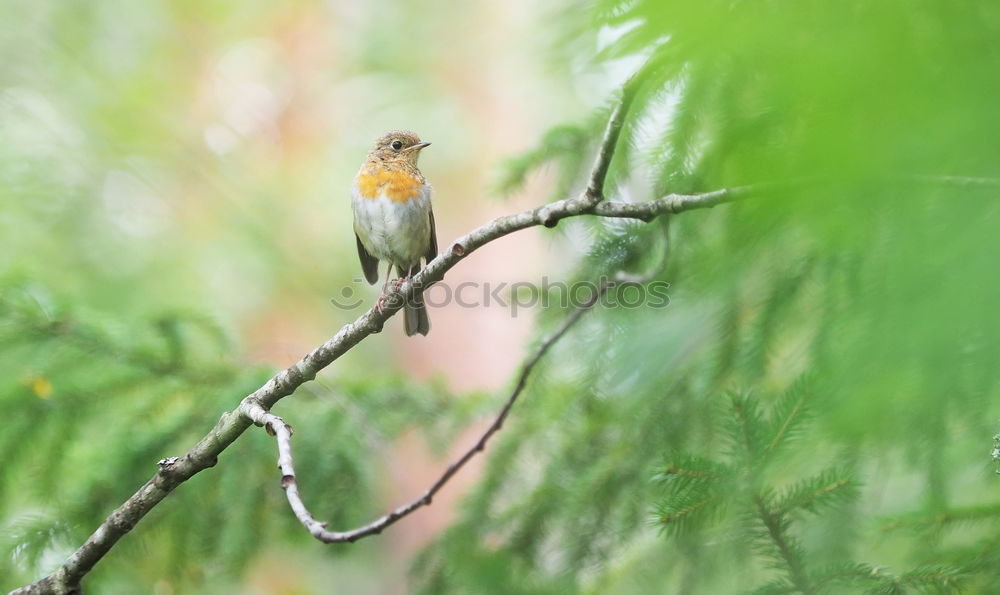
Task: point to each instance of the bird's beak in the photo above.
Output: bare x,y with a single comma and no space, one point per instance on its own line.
417,146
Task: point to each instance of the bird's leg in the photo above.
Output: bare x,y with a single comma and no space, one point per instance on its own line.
381,296
398,281
388,272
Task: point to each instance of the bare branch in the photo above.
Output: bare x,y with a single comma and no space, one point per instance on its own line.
599,173
671,204
283,436
595,187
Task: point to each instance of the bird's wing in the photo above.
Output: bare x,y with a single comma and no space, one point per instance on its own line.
369,264
432,248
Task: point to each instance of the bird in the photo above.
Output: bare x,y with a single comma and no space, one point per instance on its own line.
393,218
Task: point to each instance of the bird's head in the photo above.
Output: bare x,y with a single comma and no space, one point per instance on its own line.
397,145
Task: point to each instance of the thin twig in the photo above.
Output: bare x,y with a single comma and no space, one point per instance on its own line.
595,187
283,436
612,132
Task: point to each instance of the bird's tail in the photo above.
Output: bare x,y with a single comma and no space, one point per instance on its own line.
415,319
415,312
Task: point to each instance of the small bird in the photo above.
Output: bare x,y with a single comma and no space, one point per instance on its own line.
393,220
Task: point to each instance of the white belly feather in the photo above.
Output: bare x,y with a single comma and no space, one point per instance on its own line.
397,232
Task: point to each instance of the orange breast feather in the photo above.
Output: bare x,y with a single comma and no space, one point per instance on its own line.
396,185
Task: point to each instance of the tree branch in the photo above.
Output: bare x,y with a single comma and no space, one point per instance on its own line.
595,187
283,435
599,173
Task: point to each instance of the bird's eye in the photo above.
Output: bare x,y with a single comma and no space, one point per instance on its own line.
397,145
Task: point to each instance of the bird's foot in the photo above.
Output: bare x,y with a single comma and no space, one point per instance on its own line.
389,287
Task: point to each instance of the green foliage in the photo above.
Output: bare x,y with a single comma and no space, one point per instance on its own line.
816,405
166,384
697,492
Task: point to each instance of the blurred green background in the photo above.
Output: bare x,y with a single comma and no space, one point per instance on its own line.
813,412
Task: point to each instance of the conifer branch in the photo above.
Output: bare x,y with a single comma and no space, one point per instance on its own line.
944,518
691,473
817,492
787,551
785,425
687,511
